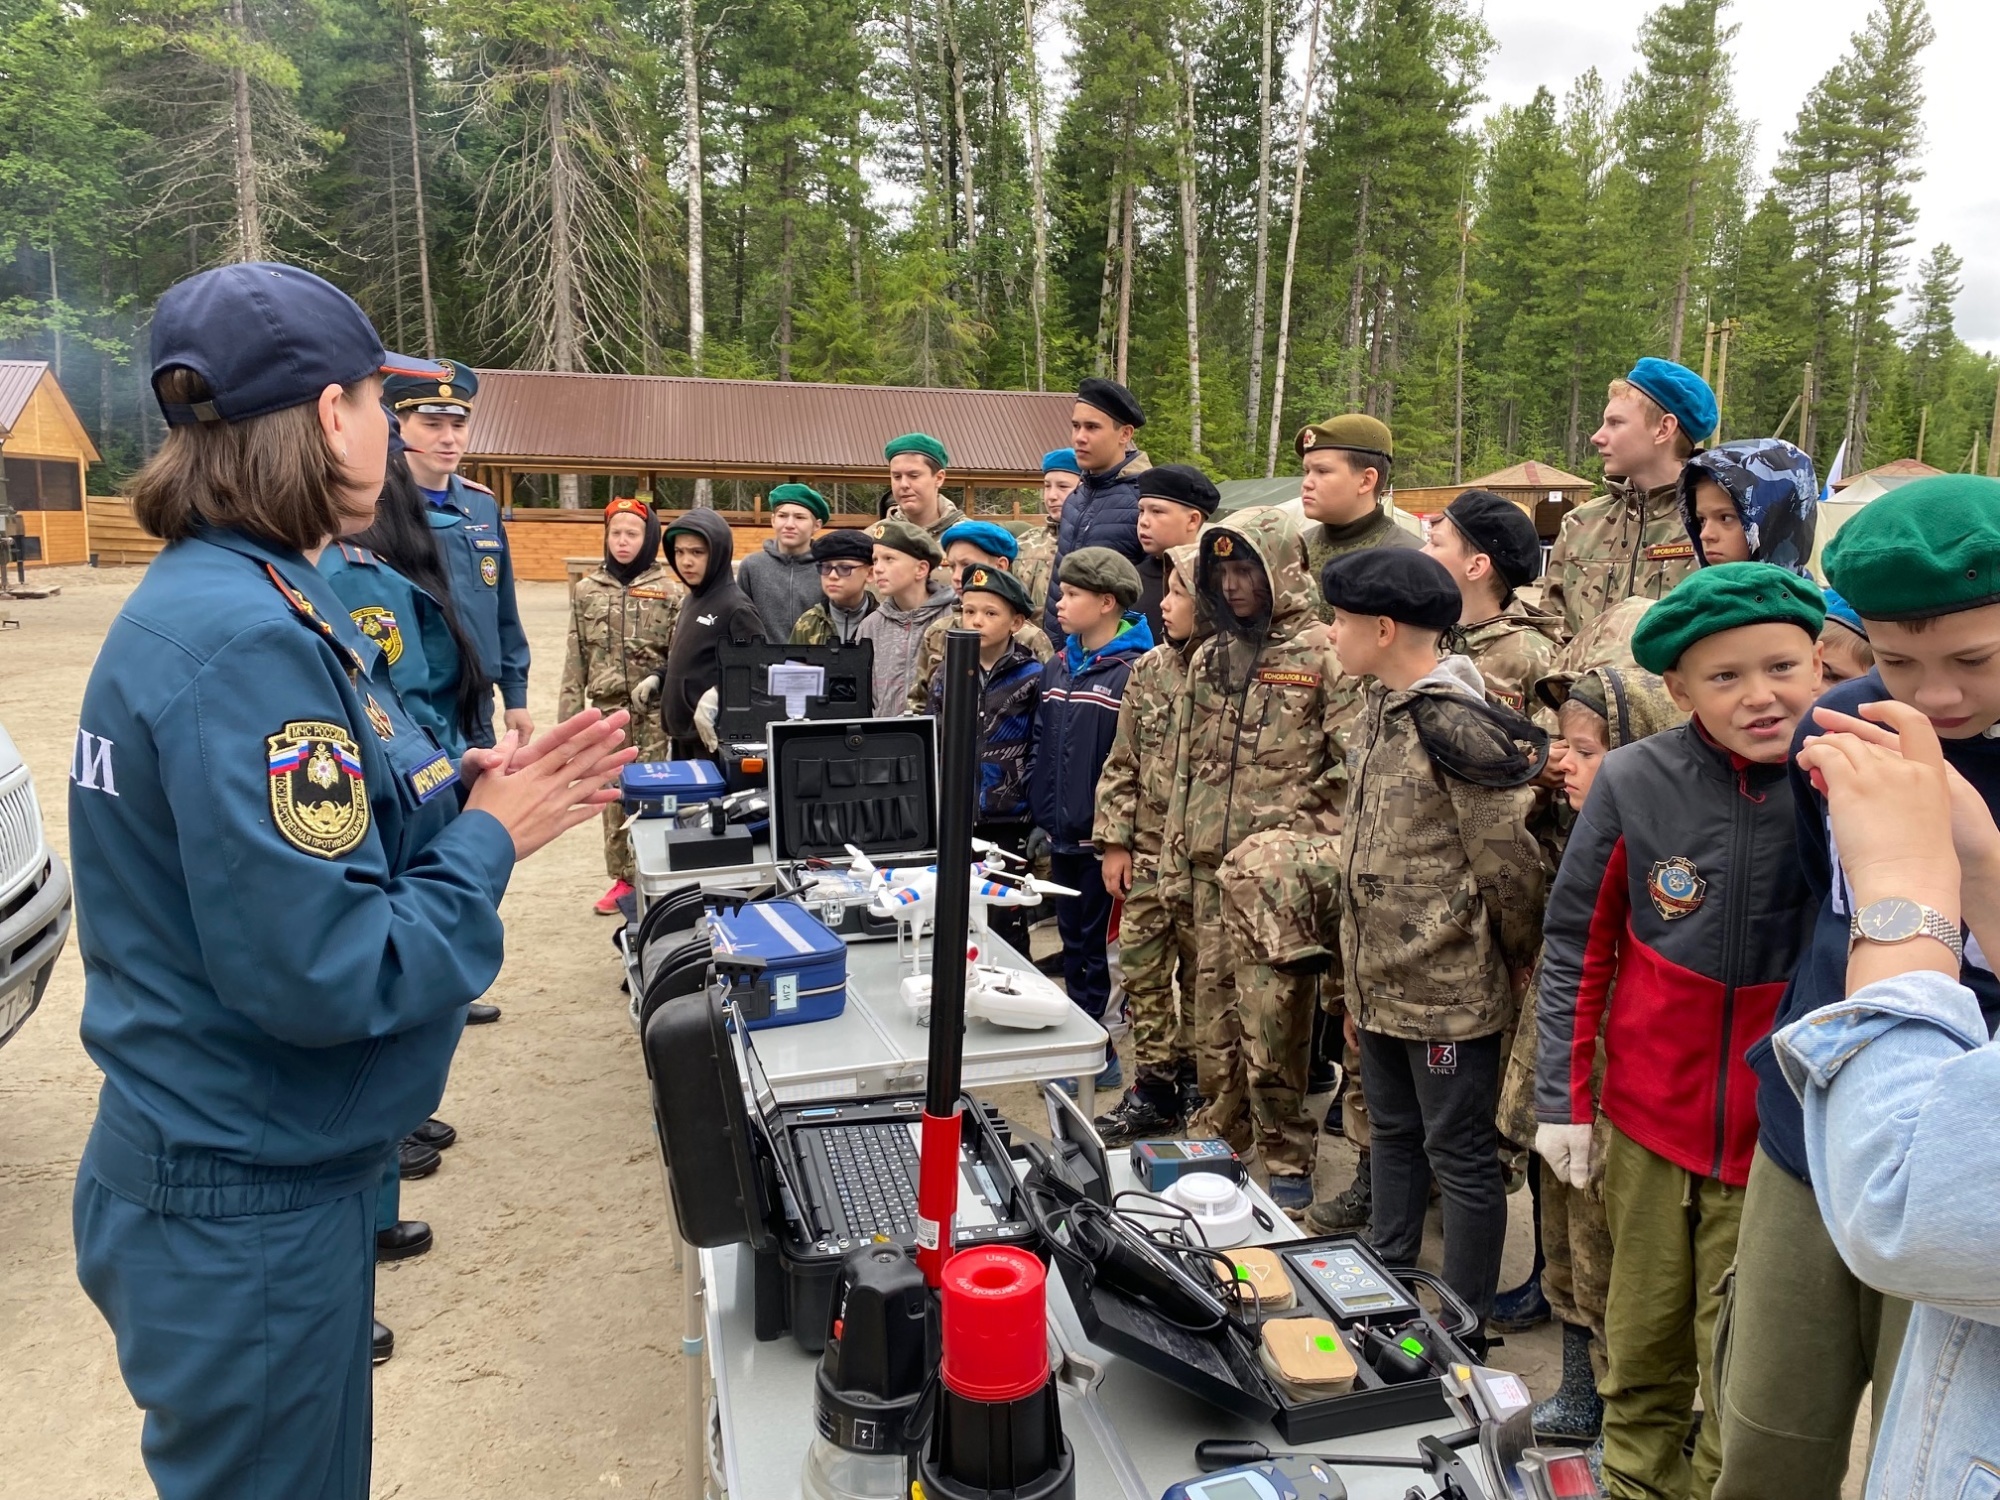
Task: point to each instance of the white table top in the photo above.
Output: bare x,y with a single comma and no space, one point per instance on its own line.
1134,1436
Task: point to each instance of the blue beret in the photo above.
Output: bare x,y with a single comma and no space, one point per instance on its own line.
994,540
1839,609
1061,461
1679,391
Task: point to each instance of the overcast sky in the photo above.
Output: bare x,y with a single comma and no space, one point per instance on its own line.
1782,48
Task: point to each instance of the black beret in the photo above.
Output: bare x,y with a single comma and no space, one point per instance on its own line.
1183,484
1501,529
1410,587
1111,398
843,545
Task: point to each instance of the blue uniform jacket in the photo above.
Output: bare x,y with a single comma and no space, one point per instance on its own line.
482,586
284,914
1074,724
409,627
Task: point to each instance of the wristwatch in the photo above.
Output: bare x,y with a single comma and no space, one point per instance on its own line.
1897,919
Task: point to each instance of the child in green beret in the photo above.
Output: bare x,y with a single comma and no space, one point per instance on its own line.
1679,895
1920,571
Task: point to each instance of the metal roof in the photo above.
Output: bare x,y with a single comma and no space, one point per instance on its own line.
1896,471
18,379
1529,476
541,419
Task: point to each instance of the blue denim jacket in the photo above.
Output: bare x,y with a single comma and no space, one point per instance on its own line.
1900,1086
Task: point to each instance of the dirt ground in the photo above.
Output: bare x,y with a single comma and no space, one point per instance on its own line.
537,1349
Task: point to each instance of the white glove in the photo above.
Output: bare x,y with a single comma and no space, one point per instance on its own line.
705,710
1566,1148
646,696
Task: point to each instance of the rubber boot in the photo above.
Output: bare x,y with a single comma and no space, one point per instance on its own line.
1575,1413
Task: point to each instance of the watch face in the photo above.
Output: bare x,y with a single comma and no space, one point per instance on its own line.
1892,921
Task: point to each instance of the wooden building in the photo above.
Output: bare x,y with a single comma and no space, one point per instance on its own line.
1545,492
47,456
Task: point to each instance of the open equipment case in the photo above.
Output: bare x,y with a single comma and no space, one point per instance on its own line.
745,709
744,1169
1165,1311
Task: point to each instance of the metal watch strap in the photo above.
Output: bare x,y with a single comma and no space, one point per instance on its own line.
1935,924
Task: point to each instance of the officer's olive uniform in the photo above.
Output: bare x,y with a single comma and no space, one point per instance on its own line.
287,920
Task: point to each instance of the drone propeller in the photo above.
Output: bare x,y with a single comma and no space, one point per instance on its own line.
861,864
996,856
1048,887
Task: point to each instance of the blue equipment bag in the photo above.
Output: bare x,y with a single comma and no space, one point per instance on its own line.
659,788
804,965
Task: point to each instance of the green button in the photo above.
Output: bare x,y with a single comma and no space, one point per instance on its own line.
1412,1346
1323,1343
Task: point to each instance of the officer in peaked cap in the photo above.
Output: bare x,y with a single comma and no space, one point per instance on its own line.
436,416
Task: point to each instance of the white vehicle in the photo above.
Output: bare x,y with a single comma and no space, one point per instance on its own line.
34,896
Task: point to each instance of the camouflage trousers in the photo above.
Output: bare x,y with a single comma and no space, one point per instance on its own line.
1279,893
1215,1024
650,736
1158,959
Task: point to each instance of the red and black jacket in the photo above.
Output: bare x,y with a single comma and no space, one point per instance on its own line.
1680,891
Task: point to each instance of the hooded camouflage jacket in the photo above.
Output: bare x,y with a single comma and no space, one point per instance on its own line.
1034,565
1626,543
617,636
1442,883
1263,706
1513,651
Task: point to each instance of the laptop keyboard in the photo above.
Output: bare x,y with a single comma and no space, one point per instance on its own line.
870,1176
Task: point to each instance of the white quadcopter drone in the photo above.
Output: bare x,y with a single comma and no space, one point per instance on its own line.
1005,997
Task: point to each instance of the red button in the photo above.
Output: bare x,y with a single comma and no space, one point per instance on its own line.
838,1323
1319,1265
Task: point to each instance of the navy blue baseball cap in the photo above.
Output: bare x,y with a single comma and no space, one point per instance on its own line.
265,337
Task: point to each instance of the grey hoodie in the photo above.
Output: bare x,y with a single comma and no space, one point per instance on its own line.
782,586
896,634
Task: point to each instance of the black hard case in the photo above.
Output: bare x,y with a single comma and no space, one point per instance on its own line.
744,711
1223,1368
723,1166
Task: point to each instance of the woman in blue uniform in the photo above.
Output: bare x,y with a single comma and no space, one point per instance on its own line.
287,911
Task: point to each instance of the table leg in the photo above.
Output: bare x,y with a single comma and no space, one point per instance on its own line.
694,1352
1086,1095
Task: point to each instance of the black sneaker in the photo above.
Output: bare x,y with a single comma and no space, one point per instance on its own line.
1134,1117
1347,1211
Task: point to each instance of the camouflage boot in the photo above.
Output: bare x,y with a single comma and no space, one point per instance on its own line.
1347,1212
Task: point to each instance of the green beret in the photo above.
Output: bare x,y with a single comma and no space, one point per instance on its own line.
1724,597
1929,547
1099,570
1363,434
917,442
1000,582
801,494
914,540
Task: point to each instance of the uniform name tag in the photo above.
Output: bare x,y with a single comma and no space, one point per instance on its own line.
1288,676
648,593
492,544
1669,551
432,777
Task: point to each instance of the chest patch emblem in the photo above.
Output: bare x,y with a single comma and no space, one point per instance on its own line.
319,798
489,570
379,720
380,626
1676,887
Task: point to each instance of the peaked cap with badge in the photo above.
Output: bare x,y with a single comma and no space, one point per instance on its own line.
449,395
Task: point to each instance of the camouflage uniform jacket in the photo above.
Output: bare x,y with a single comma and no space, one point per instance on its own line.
949,515
1625,543
617,636
1261,727
1323,543
930,654
1513,651
817,626
1034,565
1136,786
1441,884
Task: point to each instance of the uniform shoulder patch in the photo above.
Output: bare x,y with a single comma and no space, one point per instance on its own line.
1676,887
489,570
319,797
1289,676
379,625
473,484
1669,551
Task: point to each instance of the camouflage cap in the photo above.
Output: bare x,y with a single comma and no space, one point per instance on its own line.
1099,570
901,535
1355,430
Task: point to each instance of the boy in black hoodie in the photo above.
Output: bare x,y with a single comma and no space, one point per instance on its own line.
716,610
